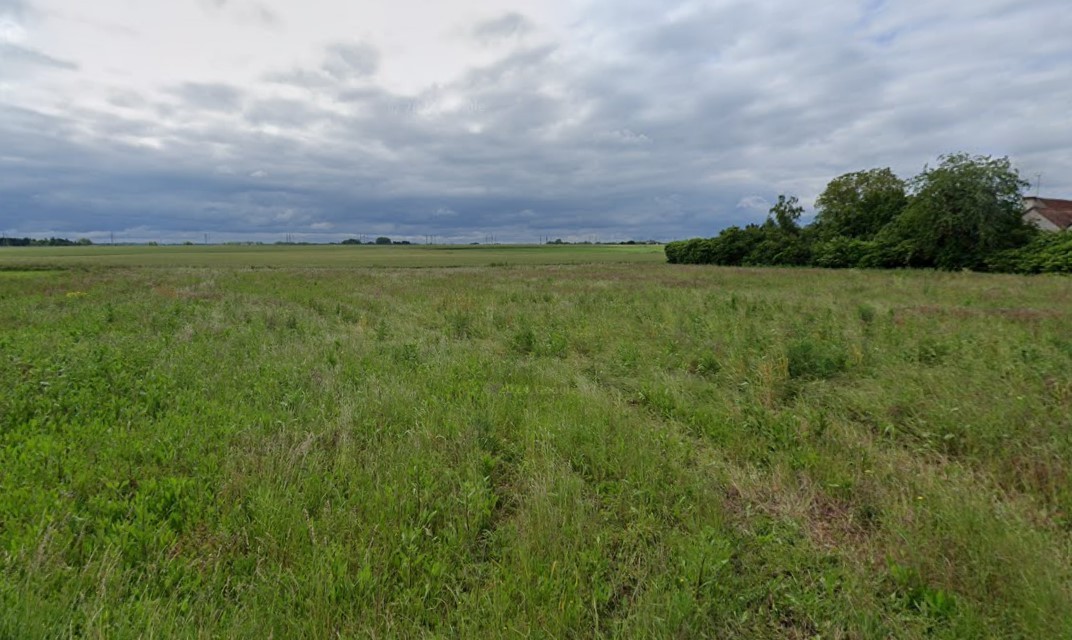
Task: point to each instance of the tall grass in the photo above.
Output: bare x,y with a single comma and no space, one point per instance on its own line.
546,451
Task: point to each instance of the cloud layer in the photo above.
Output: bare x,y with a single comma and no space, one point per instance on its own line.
613,120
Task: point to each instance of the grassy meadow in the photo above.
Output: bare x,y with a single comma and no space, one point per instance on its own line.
324,256
613,448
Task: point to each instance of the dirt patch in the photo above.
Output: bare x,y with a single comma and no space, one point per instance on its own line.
829,522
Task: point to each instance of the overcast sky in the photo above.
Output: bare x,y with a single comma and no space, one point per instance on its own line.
588,119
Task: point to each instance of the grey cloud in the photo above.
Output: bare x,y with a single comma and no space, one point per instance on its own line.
255,13
13,54
660,127
533,60
258,14
13,7
697,37
289,113
127,99
341,62
210,96
264,15
110,28
345,61
303,78
363,95
510,25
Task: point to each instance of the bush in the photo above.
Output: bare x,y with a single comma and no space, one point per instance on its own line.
842,252
694,251
765,244
1047,253
776,247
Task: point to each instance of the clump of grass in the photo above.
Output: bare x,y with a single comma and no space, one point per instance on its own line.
866,313
530,341
912,592
811,358
461,325
524,341
931,351
706,364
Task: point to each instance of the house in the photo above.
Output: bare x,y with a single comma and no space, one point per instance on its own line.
1048,214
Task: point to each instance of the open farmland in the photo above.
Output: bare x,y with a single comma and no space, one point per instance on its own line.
512,449
325,256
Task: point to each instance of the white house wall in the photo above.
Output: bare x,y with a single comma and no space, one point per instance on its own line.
1040,222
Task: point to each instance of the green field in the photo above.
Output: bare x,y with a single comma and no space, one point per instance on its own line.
608,449
325,256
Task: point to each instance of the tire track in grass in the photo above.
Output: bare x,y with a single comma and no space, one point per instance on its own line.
825,520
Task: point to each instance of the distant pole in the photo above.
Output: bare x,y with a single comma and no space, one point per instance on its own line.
113,237
1038,184
206,238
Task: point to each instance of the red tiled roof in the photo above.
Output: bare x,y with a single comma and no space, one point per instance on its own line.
1058,212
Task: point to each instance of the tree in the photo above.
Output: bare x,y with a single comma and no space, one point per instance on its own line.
963,214
859,204
962,211
786,213
734,245
383,240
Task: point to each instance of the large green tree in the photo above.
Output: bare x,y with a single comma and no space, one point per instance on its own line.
786,214
859,204
962,211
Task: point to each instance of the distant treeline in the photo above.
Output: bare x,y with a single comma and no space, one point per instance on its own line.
965,213
620,242
381,240
42,242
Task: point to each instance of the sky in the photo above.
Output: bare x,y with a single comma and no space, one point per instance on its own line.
504,120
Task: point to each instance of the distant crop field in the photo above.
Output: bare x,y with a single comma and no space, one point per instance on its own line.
607,449
325,256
